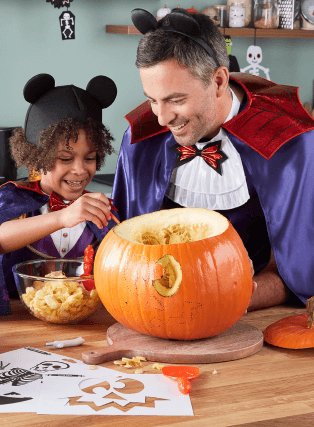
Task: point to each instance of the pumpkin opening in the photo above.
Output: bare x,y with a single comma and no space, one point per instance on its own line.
166,227
171,278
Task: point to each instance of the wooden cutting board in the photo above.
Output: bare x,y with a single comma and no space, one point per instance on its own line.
241,340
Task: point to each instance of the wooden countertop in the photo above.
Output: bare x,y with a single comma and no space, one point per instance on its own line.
272,388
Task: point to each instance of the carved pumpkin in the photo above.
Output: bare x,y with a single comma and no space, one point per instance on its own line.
179,274
293,331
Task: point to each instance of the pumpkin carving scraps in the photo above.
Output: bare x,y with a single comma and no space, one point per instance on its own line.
175,274
293,332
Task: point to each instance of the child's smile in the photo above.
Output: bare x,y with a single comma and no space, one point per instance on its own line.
73,170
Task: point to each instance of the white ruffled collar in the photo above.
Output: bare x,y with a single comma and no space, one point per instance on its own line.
196,184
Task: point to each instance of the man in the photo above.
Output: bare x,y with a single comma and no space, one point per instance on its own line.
235,143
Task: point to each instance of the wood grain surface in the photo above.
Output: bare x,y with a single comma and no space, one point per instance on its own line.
272,388
241,340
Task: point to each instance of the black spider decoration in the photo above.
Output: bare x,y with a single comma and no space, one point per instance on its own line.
60,3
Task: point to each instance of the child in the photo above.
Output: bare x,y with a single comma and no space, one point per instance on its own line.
64,142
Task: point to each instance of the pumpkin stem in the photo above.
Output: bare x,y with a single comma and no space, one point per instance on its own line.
310,312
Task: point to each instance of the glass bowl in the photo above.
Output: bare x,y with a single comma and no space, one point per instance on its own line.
53,290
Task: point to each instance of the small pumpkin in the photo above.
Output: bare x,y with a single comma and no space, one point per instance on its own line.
176,274
293,332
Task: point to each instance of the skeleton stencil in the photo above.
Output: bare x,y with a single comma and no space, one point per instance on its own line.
18,377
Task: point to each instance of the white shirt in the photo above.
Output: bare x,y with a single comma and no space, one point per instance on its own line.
196,184
66,238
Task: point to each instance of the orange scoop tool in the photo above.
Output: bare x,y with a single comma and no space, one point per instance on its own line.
181,374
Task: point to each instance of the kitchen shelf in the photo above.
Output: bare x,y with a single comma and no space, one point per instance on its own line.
233,32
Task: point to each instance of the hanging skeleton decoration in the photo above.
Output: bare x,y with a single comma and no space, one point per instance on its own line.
67,25
254,57
66,19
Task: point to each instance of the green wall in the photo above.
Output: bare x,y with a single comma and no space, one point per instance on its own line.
30,43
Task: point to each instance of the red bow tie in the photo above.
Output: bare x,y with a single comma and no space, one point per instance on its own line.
211,153
56,202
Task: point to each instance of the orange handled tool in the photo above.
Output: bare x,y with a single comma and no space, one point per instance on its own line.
182,374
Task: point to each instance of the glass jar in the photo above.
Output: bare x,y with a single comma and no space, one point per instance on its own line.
222,15
266,14
247,4
236,14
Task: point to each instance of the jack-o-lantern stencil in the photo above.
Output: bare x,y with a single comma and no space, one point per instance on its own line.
122,393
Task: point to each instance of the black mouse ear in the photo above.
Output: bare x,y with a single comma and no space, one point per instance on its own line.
143,20
103,89
37,86
181,22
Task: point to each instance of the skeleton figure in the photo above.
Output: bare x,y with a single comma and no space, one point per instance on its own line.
67,21
254,57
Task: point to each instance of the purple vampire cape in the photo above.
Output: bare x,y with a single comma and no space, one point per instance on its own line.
22,198
275,138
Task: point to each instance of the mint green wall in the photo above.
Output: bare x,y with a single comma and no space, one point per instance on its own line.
30,43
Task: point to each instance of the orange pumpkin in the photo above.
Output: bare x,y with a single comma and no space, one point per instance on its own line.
177,274
293,332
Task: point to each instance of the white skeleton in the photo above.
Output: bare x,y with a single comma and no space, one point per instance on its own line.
254,57
66,21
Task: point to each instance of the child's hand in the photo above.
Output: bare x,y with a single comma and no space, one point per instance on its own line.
94,207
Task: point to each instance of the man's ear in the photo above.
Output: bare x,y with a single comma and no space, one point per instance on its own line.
221,80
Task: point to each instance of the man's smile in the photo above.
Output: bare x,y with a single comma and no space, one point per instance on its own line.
177,129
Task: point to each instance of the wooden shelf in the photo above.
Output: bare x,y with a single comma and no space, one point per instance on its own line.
233,32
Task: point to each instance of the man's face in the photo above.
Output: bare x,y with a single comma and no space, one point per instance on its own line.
181,101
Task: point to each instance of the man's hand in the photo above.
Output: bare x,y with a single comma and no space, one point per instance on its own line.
268,288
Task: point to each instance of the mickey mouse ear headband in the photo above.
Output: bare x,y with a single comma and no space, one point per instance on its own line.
176,22
51,104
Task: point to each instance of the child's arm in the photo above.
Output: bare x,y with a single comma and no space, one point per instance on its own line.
18,233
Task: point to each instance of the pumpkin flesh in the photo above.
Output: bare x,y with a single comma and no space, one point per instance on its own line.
178,274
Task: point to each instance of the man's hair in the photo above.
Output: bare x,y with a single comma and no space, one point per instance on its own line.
159,45
42,156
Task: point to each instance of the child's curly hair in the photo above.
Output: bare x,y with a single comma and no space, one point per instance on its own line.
42,156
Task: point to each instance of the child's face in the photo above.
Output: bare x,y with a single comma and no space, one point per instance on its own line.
73,170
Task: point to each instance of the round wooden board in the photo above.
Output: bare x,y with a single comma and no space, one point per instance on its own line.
241,340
